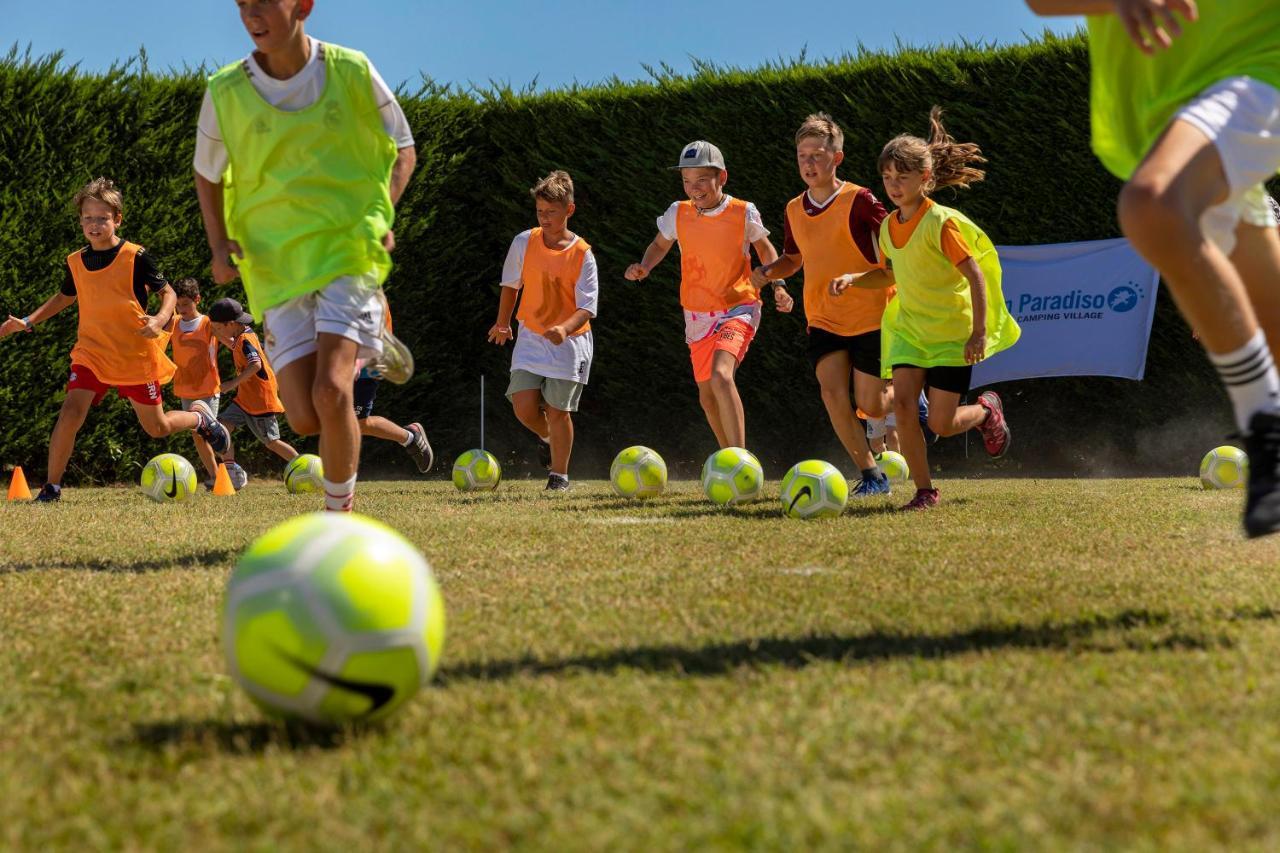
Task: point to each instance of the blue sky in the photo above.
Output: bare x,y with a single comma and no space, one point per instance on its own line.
553,42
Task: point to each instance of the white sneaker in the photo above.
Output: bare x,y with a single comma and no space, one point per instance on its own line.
395,364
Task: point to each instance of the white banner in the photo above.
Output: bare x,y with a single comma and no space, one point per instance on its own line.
1085,310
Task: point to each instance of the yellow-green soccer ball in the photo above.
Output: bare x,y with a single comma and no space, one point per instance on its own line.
638,472
304,474
332,618
814,489
732,476
477,471
894,466
1224,467
168,477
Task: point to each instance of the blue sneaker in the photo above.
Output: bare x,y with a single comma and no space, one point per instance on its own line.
213,432
930,437
869,487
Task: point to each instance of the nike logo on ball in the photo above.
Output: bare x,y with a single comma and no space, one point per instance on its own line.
377,694
804,492
172,491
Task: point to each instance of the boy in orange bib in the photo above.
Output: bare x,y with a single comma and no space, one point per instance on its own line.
119,344
554,272
195,352
721,305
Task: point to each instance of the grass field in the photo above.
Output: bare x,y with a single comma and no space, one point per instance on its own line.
1036,663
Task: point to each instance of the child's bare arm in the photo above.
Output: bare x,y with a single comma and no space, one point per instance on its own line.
401,171
158,322
768,256
231,384
500,331
215,230
784,267
975,349
1151,24
652,257
52,306
877,279
557,333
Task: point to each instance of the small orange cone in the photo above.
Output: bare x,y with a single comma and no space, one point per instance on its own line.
18,490
222,483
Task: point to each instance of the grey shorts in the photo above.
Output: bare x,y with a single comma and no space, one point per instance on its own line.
265,428
211,402
562,394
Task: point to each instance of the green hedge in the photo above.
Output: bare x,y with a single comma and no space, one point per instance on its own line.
478,155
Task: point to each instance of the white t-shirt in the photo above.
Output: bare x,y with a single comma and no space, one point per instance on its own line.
298,92
755,225
534,353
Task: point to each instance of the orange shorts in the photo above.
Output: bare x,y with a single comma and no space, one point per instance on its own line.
733,337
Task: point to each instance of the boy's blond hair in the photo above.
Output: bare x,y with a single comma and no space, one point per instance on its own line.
103,190
824,127
557,186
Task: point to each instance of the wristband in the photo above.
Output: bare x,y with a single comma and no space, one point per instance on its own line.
28,325
506,330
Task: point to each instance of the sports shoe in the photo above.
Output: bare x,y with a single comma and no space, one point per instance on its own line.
395,363
995,431
544,454
210,429
49,493
924,499
556,483
420,449
930,437
1262,503
871,487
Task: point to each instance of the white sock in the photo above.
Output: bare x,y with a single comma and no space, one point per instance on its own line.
408,439
564,477
1250,377
338,497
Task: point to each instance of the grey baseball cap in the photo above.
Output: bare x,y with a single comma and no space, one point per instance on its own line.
700,155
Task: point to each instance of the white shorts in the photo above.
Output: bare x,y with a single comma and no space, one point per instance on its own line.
350,306
1242,118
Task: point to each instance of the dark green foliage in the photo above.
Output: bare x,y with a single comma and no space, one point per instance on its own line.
1027,106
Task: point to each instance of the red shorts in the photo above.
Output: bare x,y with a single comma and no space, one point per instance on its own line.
733,337
83,379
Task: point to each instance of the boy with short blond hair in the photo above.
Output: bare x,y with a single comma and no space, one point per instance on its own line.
830,230
721,303
119,345
195,351
301,156
554,272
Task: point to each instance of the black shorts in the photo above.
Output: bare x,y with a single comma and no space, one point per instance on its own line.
953,379
864,349
365,391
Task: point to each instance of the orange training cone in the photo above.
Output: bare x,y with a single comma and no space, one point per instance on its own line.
222,483
18,490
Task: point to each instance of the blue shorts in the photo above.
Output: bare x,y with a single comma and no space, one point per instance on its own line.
366,390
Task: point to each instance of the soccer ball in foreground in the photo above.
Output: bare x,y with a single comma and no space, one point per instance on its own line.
732,476
303,474
168,477
894,466
638,472
1224,467
476,470
814,489
237,475
332,618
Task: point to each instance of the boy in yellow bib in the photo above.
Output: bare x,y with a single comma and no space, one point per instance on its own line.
119,345
949,312
721,305
301,156
554,273
1186,109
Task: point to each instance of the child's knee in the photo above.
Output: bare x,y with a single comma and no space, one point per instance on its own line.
905,409
722,379
940,426
558,416
526,410
156,429
835,395
1151,212
330,395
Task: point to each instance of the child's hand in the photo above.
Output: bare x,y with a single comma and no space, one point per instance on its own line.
759,278
975,349
555,334
13,324
226,387
841,283
224,270
1152,24
782,300
389,240
636,272
499,334
150,329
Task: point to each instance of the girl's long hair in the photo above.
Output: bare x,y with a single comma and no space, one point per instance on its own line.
950,163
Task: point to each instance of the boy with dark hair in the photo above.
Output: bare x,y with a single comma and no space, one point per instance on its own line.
195,352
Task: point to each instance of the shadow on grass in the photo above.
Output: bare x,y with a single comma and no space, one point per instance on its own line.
1128,630
238,738
198,560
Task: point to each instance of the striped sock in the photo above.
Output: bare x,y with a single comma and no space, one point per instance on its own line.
338,497
1250,377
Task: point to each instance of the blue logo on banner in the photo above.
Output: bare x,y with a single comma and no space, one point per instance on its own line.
1122,299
